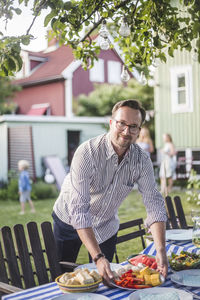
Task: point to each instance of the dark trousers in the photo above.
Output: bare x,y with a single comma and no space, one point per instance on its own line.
68,242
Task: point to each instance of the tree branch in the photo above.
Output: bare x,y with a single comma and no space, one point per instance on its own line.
37,12
100,21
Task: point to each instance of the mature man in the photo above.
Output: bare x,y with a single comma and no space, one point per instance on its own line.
103,172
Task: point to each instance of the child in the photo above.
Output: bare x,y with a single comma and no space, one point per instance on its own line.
24,186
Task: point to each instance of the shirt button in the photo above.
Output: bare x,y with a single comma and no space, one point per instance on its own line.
115,165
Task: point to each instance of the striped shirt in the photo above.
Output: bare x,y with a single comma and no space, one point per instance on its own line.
96,186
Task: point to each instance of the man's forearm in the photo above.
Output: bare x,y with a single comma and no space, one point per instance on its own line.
88,239
158,233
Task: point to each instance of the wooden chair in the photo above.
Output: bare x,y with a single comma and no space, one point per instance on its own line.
176,219
137,231
26,260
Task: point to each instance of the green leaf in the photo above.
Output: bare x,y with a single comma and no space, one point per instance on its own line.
26,40
49,17
18,11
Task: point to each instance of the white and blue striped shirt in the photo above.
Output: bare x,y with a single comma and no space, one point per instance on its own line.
96,186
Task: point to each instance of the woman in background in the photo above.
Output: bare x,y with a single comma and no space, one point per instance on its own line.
168,164
144,140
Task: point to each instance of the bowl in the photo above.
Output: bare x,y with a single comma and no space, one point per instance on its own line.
92,287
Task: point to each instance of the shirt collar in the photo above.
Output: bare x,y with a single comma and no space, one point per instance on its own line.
110,150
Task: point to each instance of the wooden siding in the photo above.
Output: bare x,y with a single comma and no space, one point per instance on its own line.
20,147
184,127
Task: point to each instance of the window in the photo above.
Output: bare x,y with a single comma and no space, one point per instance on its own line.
114,72
97,72
181,89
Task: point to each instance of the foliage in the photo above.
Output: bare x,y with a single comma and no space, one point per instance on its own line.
157,28
41,190
7,91
101,101
193,188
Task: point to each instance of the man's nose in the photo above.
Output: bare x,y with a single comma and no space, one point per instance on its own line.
126,129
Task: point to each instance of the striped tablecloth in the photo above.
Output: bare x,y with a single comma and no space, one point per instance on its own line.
51,290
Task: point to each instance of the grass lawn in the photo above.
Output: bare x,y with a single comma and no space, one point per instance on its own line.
131,208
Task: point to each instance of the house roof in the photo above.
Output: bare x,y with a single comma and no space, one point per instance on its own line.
50,69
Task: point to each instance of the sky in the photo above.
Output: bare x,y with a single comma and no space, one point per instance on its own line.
19,25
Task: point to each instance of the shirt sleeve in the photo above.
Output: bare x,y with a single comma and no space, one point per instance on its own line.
80,177
152,198
22,182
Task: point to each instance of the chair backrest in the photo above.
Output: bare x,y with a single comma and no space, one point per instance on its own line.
137,231
176,219
30,257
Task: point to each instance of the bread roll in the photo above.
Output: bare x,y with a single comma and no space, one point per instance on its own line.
72,281
95,275
65,277
84,278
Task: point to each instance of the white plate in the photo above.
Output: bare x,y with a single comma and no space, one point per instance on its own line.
162,278
183,295
179,234
187,277
79,296
92,266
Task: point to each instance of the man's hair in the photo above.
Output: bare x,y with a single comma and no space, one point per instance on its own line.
132,104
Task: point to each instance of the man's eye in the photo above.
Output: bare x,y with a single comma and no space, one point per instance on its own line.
134,126
122,124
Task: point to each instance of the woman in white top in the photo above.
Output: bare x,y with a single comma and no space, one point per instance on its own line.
168,165
144,140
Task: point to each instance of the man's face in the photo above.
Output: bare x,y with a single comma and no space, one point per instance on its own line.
123,136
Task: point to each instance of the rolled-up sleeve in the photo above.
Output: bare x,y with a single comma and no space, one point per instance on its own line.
80,176
152,198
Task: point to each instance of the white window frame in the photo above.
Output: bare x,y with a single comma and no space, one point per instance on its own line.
174,73
97,72
114,72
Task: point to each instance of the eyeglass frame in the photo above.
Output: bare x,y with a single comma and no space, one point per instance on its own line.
134,127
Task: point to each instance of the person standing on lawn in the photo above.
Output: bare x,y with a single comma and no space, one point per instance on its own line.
103,172
24,186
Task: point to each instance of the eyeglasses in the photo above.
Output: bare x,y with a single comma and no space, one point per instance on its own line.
121,126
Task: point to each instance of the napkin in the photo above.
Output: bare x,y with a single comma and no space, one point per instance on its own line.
191,280
171,295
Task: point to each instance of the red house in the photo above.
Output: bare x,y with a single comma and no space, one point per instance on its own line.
50,79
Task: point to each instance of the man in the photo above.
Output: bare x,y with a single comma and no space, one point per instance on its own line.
103,172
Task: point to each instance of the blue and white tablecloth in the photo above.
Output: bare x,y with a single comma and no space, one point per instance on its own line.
51,290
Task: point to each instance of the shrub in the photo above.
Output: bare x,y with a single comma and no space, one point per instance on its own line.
41,190
193,188
3,194
12,189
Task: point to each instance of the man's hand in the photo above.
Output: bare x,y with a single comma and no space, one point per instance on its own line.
104,270
162,262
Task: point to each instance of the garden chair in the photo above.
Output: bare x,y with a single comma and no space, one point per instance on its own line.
28,260
176,219
136,231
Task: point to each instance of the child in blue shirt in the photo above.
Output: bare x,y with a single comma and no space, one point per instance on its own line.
24,186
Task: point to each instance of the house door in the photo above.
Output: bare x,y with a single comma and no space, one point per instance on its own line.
73,140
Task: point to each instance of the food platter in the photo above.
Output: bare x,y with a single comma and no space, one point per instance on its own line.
138,274
161,293
179,235
79,281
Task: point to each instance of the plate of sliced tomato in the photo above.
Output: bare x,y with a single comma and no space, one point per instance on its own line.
146,260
